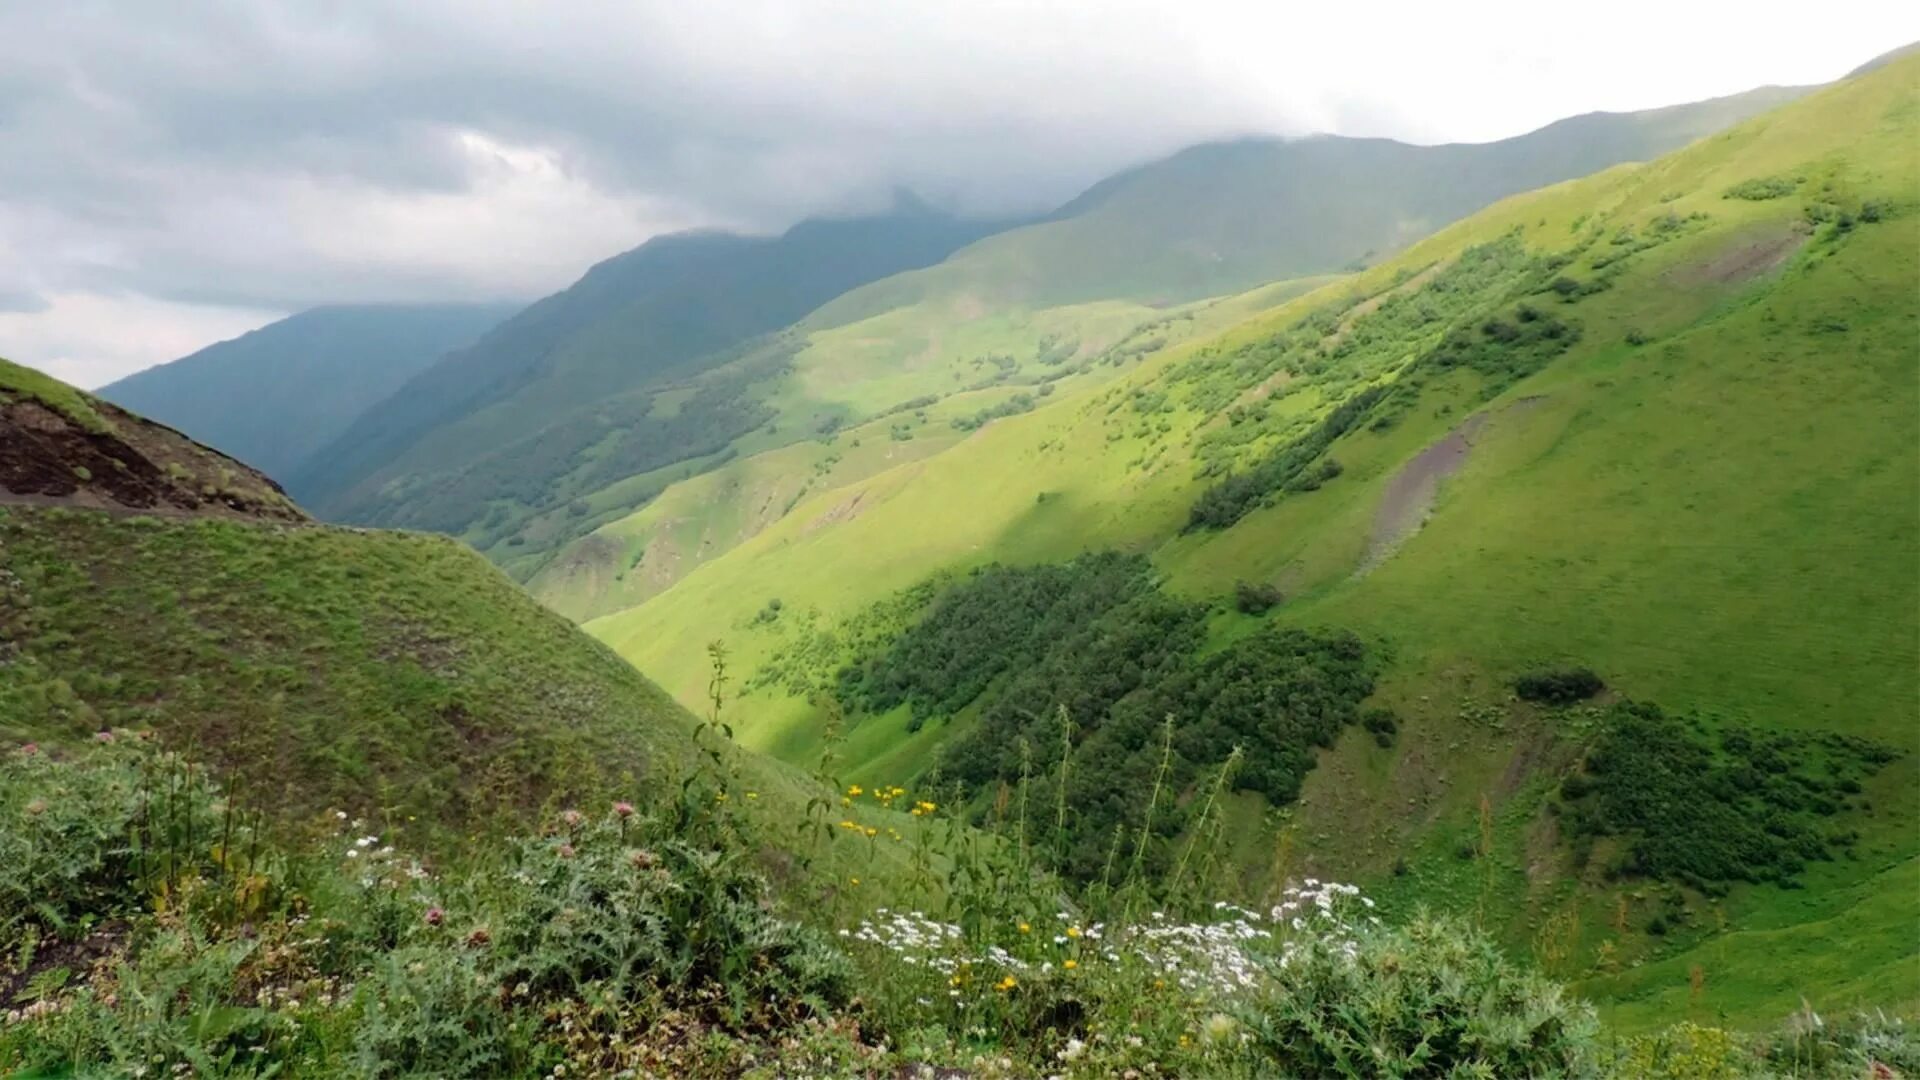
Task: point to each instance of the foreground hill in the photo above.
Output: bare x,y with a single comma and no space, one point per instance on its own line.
275,395
1658,423
147,582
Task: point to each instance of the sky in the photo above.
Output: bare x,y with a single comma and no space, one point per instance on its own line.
175,174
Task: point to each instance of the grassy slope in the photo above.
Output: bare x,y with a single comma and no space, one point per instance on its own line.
393,674
1719,518
865,369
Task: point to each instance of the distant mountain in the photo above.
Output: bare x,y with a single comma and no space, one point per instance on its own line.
1222,217
274,395
1122,267
634,320
654,359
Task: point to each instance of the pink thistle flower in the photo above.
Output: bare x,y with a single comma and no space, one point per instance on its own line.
435,916
30,749
566,851
573,818
103,736
623,809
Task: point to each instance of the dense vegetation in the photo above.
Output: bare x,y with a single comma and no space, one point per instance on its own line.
1709,809
1085,680
155,922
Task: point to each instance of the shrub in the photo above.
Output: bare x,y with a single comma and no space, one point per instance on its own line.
1381,724
1690,813
1761,189
1562,687
1256,597
1432,998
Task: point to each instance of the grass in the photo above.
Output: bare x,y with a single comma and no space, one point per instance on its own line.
398,676
1706,499
18,382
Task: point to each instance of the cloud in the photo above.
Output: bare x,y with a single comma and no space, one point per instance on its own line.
234,156
91,339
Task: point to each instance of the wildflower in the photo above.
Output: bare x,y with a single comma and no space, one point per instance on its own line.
1219,1026
478,937
872,831
103,736
572,818
1007,983
753,794
435,916
1025,929
640,860
856,790
30,749
1073,931
623,809
566,851
854,881
1073,1050
1071,964
340,815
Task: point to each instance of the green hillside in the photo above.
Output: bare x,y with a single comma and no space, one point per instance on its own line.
1108,279
654,365
1657,423
149,584
275,395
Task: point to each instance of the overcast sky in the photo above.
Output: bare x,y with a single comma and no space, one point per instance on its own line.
172,174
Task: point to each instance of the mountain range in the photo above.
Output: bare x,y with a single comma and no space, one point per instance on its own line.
1522,530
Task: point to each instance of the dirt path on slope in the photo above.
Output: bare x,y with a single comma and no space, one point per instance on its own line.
1408,498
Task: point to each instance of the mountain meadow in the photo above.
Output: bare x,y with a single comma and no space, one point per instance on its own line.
1308,607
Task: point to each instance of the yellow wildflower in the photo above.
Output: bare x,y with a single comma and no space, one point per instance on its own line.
1071,964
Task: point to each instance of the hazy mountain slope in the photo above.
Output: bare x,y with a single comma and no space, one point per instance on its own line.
1223,217
869,368
648,362
275,395
397,676
1211,218
1701,489
630,323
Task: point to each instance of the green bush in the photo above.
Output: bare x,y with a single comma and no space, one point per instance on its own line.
1432,998
1256,597
1761,189
1563,687
1690,812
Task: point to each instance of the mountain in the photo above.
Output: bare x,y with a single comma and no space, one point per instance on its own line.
656,359
275,395
1115,273
638,320
1642,439
151,583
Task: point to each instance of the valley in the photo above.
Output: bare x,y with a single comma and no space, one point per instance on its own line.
1312,606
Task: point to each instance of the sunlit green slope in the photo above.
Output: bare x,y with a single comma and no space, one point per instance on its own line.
1701,486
